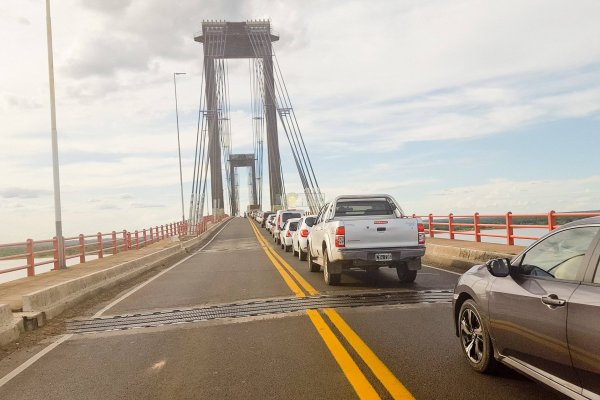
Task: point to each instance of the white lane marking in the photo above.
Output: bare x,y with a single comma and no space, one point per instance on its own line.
443,270
8,377
33,359
135,289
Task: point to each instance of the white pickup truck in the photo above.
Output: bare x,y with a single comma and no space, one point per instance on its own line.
368,232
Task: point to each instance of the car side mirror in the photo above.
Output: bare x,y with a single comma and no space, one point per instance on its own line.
499,267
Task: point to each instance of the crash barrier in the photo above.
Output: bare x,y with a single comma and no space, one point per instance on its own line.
476,225
35,253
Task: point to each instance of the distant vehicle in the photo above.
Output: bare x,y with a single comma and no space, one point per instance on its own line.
285,235
539,313
300,236
263,218
365,232
270,222
281,218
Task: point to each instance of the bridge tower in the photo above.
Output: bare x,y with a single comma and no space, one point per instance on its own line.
231,40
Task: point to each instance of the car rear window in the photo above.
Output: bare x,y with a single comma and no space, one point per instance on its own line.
293,226
363,207
286,216
309,221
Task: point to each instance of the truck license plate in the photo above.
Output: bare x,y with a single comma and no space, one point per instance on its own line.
383,257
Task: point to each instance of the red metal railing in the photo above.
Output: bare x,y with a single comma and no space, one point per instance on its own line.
477,229
99,244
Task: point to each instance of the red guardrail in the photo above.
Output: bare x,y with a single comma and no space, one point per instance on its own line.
510,223
99,244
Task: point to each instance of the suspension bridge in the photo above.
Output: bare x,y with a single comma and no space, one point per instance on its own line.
270,101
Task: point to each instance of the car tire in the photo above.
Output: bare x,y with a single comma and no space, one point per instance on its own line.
287,248
294,252
330,279
475,339
404,274
312,266
301,255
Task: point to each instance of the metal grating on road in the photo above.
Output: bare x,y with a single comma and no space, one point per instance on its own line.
255,308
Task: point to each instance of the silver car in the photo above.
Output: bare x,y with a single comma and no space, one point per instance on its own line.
538,313
300,236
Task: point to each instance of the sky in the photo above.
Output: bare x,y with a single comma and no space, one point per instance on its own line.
450,106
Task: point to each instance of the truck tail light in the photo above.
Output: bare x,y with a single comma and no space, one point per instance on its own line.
421,230
340,236
304,233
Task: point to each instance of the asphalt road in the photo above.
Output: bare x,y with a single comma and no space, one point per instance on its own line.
377,351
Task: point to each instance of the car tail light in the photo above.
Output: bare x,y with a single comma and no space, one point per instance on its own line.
304,233
278,220
340,236
421,230
288,234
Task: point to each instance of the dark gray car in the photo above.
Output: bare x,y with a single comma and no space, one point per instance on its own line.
539,313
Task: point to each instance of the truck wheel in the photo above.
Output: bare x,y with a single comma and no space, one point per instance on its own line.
404,274
330,279
312,266
301,255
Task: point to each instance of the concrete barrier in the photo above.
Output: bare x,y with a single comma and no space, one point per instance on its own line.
10,327
458,259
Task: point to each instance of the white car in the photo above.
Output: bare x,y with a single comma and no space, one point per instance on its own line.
270,222
281,218
285,234
300,236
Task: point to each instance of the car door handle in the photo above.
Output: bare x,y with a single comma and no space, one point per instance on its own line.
553,300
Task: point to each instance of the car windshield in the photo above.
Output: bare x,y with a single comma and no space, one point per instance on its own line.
363,207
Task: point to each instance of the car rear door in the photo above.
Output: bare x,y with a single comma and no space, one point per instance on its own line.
528,310
583,327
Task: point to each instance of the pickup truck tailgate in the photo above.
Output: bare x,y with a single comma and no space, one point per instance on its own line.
381,233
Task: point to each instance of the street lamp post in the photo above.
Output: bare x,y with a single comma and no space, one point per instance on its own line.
55,169
179,143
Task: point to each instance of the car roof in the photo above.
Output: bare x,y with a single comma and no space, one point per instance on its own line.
584,221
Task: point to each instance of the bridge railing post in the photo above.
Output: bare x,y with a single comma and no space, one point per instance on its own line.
124,240
476,227
100,246
430,220
30,258
451,225
114,242
551,220
151,236
81,248
509,229
55,253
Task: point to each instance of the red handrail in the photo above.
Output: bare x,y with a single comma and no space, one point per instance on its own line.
99,244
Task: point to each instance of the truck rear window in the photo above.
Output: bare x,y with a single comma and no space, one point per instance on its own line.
286,216
363,207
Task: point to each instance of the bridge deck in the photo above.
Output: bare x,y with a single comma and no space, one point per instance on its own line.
301,354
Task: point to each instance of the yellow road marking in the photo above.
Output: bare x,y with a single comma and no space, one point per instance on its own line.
385,376
305,285
357,379
288,280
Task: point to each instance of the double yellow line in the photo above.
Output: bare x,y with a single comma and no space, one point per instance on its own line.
355,376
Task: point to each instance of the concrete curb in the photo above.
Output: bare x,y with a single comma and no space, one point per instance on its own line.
458,258
10,327
49,302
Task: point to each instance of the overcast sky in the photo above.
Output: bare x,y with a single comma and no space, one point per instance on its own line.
450,106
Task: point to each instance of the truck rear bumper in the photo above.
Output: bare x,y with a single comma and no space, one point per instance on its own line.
368,255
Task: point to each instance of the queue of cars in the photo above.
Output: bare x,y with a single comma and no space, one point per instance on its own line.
366,232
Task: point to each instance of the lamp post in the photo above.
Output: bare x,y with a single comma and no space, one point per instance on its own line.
179,143
55,168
